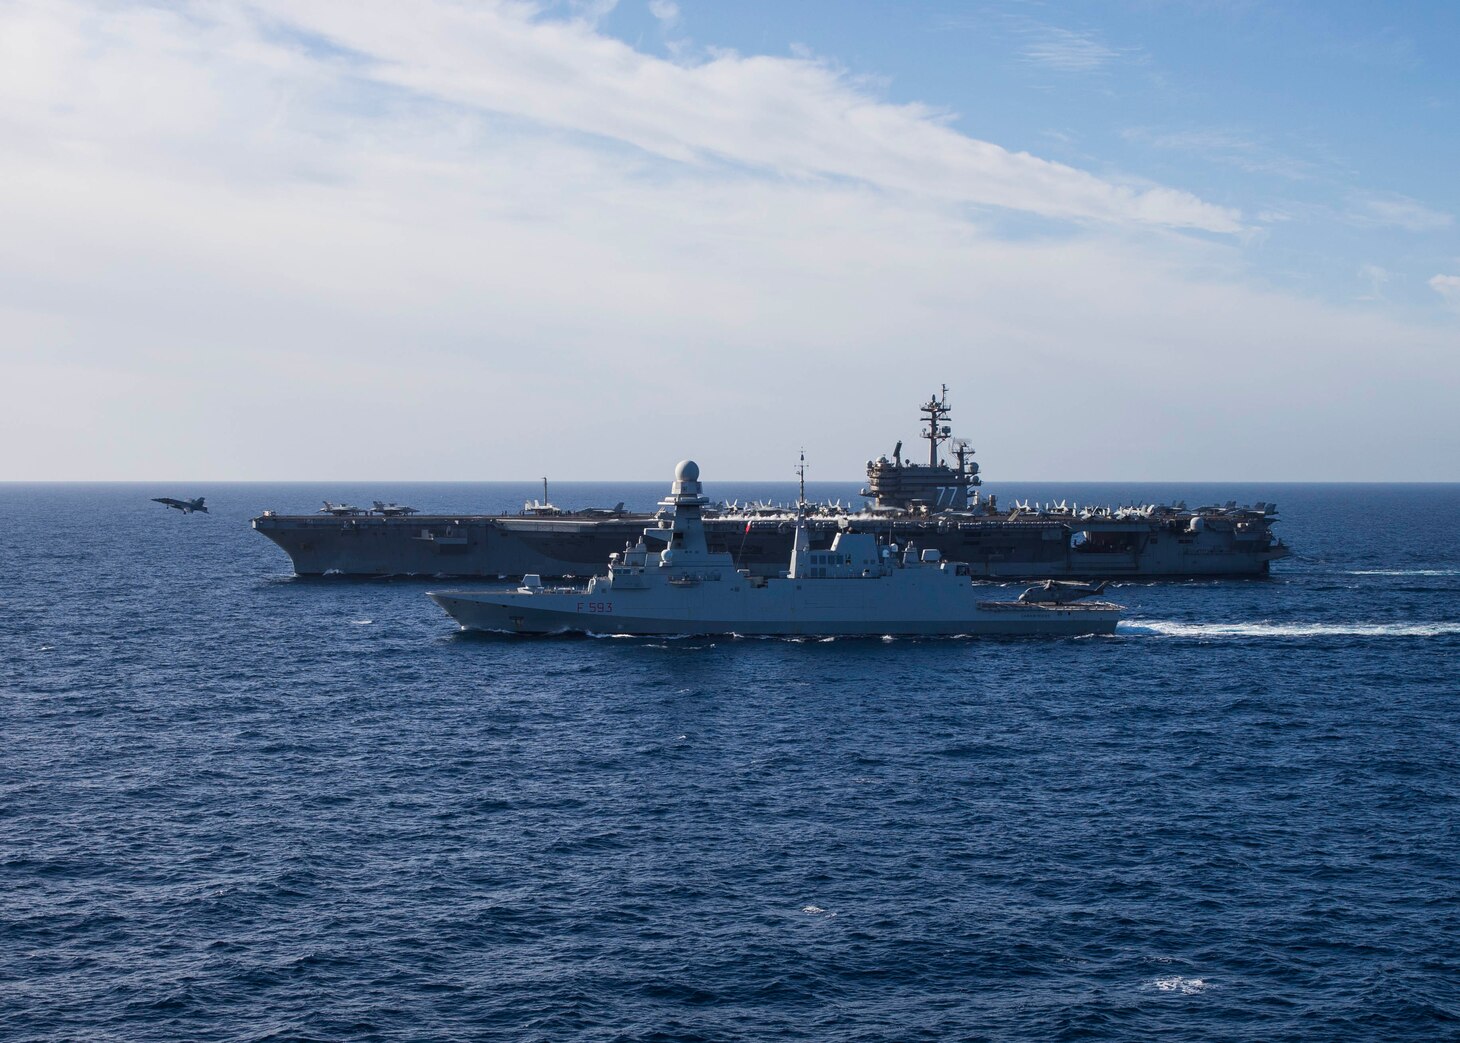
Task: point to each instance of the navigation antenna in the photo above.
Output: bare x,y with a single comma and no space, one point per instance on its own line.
935,411
544,489
801,473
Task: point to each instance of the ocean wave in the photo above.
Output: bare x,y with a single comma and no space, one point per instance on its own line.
1181,986
1404,572
1168,628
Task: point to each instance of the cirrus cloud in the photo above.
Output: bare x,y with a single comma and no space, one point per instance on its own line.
787,116
237,220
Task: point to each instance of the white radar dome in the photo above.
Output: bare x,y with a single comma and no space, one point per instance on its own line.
687,471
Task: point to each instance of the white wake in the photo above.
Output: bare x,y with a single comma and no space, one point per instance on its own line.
1165,628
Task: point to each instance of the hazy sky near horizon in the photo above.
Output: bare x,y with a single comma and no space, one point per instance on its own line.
337,239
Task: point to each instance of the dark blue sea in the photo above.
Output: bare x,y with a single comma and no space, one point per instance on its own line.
237,805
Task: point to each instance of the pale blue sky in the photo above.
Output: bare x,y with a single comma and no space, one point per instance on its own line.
1334,127
446,239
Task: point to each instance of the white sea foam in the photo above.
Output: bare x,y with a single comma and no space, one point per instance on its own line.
1182,986
1405,572
1167,628
362,622
812,909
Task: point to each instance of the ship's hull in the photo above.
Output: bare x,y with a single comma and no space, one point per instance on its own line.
491,546
755,614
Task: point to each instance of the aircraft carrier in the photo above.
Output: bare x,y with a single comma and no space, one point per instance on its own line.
934,505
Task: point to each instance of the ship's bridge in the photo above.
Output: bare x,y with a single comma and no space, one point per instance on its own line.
935,487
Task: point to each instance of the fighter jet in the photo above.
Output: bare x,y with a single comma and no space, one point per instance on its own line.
616,511
1059,592
186,506
339,510
392,509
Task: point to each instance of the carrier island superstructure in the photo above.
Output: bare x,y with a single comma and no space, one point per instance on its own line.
936,504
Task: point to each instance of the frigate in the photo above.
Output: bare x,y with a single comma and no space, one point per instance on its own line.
670,582
935,504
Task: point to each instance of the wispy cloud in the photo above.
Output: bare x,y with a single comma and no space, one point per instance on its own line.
1448,287
1392,210
1387,49
667,14
592,11
218,214
1376,277
1240,149
791,116
1067,50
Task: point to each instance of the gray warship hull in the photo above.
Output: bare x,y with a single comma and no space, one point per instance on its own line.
827,615
1010,546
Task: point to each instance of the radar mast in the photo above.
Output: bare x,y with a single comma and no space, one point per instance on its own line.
935,411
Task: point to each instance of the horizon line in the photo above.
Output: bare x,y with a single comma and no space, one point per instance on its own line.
738,481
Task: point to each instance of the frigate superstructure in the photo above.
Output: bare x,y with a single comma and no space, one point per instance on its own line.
670,582
937,505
